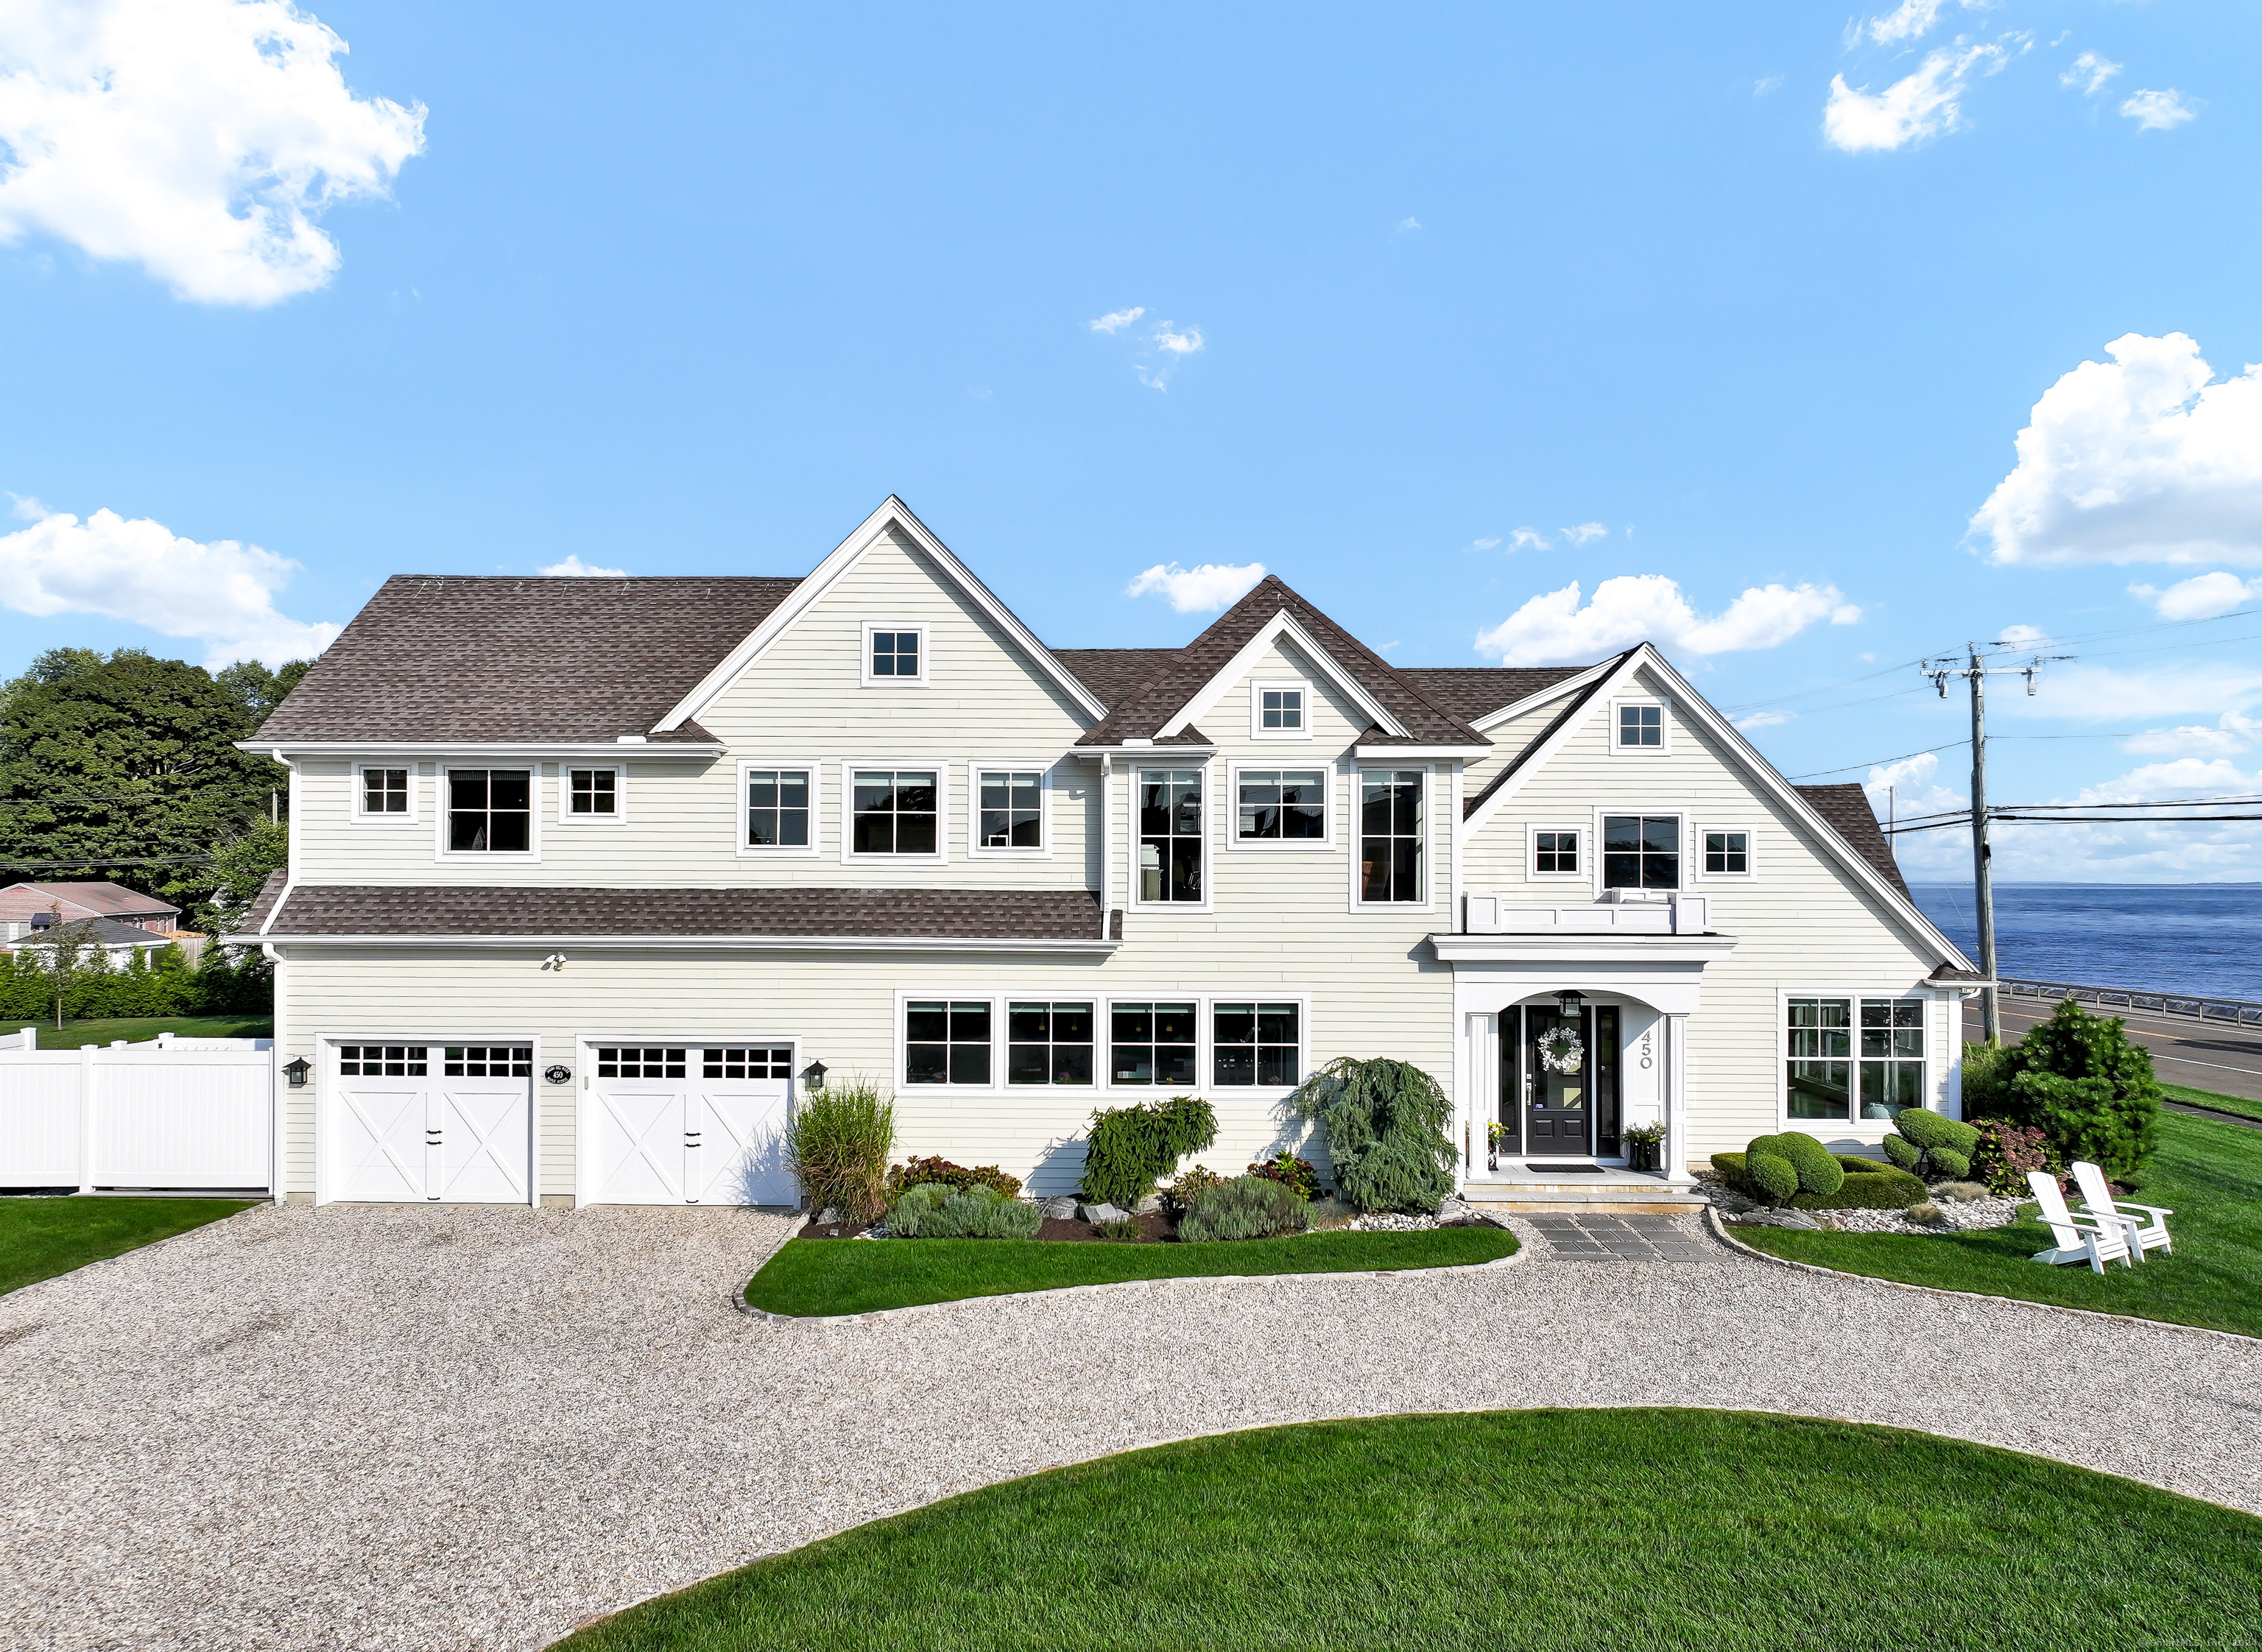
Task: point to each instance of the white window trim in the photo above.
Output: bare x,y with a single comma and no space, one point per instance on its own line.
1204,1005
415,793
1212,834
1042,768
1004,1030
1106,1049
566,816
1586,840
1325,844
1355,791
815,772
996,1084
1857,1128
940,768
1256,729
1665,732
538,783
924,658
1751,870
1595,843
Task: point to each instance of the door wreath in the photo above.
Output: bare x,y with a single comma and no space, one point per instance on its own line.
1560,1050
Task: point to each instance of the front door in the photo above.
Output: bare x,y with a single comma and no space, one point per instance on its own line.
1558,1085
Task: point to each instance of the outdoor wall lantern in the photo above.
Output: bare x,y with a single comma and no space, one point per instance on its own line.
297,1071
1567,1002
813,1075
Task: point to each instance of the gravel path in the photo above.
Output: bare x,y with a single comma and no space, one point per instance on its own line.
453,1428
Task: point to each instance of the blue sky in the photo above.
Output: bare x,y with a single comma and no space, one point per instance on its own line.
1741,301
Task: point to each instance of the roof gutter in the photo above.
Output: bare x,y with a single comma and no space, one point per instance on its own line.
639,743
1086,944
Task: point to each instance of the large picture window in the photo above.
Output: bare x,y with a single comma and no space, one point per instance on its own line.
1283,806
1048,1043
490,811
1152,1043
1390,829
1825,1081
946,1042
896,812
1255,1043
1170,835
1641,852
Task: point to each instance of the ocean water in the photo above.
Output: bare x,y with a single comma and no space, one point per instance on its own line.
2194,937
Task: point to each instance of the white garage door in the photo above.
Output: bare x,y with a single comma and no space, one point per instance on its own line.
413,1123
685,1124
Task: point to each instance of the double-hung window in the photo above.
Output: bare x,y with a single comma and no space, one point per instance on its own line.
777,809
1170,835
1152,1043
1048,1043
490,811
1641,852
593,793
1824,1079
1283,806
1390,829
384,791
1254,1043
1011,808
947,1041
896,812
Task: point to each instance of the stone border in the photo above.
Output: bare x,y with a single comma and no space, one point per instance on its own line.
1523,1250
1720,1231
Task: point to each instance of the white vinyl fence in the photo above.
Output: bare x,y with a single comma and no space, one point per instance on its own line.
175,1114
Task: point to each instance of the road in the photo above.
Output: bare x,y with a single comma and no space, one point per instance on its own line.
2204,1056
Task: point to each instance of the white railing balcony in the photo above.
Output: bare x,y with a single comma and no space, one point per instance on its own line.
1622,912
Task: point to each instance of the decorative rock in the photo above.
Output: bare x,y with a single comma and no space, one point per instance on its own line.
1148,1205
1781,1218
1059,1209
828,1215
1096,1214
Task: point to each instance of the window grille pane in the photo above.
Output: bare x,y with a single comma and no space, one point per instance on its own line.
1282,709
1390,835
1820,1078
1170,828
895,653
1011,818
592,791
896,812
1727,852
384,791
1048,1043
1555,852
760,1062
1641,725
640,1061
382,1060
946,1042
1254,1043
487,1061
490,810
777,809
1151,1044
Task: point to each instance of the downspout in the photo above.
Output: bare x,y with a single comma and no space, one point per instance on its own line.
1107,840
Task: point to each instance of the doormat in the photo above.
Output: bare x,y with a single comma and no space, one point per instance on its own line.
1562,1170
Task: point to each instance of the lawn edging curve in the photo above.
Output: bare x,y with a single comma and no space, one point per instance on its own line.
1720,1231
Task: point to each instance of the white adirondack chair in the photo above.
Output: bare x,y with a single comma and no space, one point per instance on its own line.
2147,1224
2080,1239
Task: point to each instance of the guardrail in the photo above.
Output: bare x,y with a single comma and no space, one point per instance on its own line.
2242,1012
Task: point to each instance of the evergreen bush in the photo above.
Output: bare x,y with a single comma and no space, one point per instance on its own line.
2087,1086
1128,1149
1191,1184
1246,1208
934,1209
1385,1127
1931,1144
837,1144
1867,1185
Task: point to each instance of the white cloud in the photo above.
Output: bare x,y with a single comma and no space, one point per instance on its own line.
1765,720
1553,630
1203,590
221,594
574,568
1585,533
2090,72
2231,734
200,139
1913,20
1409,223
2143,460
2101,693
2200,596
1920,106
1184,343
1174,347
2020,636
1761,87
1483,544
2161,110
1116,320
1526,538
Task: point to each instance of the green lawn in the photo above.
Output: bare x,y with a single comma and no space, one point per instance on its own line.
140,1030
41,1238
1655,1530
2220,1102
832,1276
2208,1173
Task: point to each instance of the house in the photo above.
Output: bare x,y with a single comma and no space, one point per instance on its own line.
592,879
37,940
21,902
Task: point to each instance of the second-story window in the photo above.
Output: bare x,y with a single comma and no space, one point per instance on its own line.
777,809
1280,710
1281,805
895,656
1170,835
384,791
1555,853
1641,727
1641,852
594,793
490,811
896,812
1012,809
1390,835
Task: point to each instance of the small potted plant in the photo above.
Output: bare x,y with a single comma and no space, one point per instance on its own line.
1645,1146
1493,1132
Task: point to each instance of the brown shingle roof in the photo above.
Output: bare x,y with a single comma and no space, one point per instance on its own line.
445,658
1471,691
263,902
1114,673
1846,806
100,897
966,914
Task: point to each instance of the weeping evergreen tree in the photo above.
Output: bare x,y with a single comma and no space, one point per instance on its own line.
1385,1124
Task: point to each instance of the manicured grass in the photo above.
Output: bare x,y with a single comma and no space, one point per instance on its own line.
1625,1529
2208,1173
141,1029
40,1238
2222,1103
831,1276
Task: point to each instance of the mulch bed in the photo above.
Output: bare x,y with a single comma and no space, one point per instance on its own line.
1153,1230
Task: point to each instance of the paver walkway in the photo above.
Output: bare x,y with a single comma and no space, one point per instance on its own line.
451,1428
1597,1237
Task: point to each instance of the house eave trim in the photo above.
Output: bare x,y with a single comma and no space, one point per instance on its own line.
1586,948
516,748
1092,945
1384,753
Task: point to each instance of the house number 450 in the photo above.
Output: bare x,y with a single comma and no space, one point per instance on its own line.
1645,1061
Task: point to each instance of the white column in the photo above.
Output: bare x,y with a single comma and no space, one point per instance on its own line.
86,1117
1676,1102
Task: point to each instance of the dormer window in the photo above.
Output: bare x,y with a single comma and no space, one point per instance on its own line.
895,653
490,811
384,792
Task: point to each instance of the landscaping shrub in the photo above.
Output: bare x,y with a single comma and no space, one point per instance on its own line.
1959,1192
919,1171
1931,1144
2087,1085
1985,1079
1867,1185
1792,1163
837,1144
934,1209
1181,1195
1247,1208
1130,1148
1294,1174
2007,1151
1385,1124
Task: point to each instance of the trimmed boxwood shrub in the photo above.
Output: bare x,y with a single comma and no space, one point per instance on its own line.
1792,1163
1867,1185
2086,1083
1246,1208
1931,1145
934,1210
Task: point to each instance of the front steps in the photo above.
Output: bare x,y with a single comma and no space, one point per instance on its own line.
1613,1192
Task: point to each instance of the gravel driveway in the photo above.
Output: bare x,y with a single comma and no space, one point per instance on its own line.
457,1427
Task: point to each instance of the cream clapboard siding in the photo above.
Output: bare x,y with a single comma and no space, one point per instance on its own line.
803,701
1802,925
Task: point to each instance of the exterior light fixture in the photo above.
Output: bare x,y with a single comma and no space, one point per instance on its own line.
813,1075
1569,1001
555,961
296,1072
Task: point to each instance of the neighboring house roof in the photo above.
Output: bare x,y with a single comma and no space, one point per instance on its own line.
1846,806
104,931
1180,676
966,914
101,898
447,657
1471,691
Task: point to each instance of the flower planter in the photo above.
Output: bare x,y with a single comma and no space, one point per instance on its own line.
1646,1155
